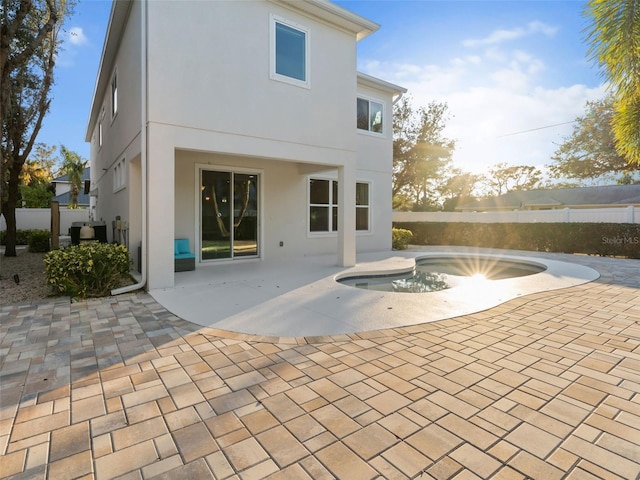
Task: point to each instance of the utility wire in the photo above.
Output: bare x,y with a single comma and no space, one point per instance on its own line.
534,129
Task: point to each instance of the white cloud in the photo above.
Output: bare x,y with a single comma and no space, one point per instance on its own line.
493,95
501,35
487,105
77,37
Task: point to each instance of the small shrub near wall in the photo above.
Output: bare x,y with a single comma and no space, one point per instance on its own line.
89,270
400,238
22,237
612,239
39,241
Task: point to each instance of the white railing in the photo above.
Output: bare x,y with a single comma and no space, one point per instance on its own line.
628,214
40,219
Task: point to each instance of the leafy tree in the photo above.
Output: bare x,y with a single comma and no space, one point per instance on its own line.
29,40
589,152
37,194
73,165
36,189
421,154
459,188
503,178
40,166
614,37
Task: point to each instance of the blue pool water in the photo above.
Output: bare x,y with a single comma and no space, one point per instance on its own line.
439,273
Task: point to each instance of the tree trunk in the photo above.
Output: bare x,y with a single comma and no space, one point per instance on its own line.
9,209
9,212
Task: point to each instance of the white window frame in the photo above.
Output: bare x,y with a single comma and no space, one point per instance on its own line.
119,175
114,94
368,131
272,56
331,205
367,206
199,168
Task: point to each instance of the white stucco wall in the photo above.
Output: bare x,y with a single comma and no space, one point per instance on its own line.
120,134
211,100
221,82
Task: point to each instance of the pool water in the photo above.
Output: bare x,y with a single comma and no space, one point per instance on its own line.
441,273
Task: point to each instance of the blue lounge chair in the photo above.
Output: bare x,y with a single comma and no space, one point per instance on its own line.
184,259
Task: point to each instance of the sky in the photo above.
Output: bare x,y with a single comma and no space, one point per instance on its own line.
513,73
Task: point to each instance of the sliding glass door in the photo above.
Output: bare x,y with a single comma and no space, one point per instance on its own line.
228,215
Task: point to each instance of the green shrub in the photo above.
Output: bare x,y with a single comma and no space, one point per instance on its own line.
39,241
614,239
400,238
89,270
22,237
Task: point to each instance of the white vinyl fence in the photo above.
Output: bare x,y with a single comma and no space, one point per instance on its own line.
628,214
40,219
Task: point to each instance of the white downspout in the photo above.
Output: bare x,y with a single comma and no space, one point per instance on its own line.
143,154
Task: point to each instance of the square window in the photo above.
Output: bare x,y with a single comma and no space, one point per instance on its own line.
370,115
323,206
318,219
319,191
289,52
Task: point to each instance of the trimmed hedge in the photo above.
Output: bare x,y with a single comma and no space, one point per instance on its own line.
39,241
606,239
22,236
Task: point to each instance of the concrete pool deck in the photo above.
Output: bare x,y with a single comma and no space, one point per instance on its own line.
544,386
301,298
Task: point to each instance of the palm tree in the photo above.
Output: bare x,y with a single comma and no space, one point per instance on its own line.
614,35
73,165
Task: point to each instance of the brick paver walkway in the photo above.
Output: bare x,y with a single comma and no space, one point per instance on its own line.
543,387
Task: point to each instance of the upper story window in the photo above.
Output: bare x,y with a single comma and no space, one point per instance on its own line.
119,175
370,114
114,94
289,52
323,206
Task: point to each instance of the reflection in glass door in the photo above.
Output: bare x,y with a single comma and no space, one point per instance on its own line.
245,215
223,235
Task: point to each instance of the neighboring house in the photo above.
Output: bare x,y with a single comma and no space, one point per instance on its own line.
582,197
63,190
244,127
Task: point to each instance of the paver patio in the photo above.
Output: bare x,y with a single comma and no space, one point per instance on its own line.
544,387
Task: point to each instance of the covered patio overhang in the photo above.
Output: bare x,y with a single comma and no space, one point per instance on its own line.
163,209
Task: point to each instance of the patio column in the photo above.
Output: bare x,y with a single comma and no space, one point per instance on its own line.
160,208
347,215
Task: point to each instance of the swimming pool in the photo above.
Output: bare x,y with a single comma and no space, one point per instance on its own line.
441,273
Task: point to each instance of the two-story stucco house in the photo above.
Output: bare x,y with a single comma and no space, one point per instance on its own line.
243,126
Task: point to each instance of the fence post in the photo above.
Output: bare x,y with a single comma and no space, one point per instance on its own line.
565,215
55,225
630,218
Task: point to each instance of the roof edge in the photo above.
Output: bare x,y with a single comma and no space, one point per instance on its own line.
332,13
117,19
379,84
